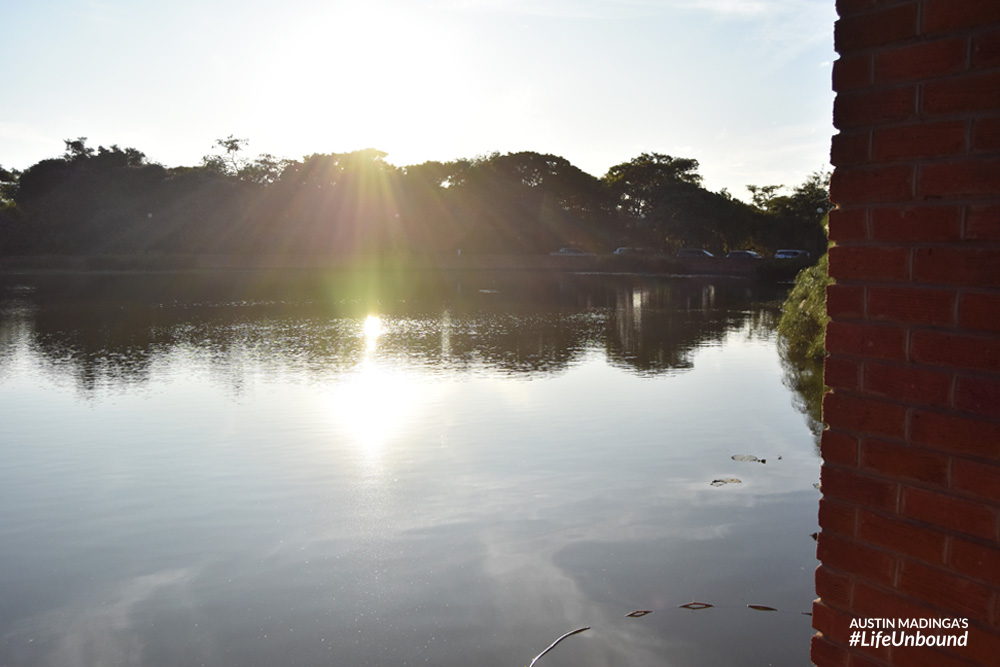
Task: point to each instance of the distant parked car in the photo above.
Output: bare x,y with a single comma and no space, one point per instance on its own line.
693,252
743,254
791,254
635,251
570,251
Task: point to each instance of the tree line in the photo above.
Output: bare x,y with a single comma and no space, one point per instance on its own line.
113,200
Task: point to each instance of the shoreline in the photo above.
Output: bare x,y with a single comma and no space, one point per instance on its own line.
772,269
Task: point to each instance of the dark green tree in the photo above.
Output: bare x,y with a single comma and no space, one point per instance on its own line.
638,185
229,162
763,195
77,149
8,186
660,203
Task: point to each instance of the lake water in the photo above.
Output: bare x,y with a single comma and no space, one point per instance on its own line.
259,469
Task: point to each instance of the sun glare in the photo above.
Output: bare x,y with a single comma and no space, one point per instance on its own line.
373,68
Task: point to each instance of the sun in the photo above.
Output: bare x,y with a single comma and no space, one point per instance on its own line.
366,73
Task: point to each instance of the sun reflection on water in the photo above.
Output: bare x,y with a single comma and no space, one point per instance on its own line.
372,330
377,401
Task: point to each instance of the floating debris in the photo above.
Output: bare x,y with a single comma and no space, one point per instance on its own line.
815,536
695,605
760,607
748,458
817,486
726,480
638,613
553,644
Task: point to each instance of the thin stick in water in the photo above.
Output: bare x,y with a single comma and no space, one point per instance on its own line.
553,644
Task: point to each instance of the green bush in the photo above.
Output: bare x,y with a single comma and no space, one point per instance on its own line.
803,315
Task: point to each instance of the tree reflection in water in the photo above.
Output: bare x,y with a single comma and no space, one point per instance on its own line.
107,330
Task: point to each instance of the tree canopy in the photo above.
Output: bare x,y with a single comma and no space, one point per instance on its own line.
114,200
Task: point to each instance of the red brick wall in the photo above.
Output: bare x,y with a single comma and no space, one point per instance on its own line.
910,513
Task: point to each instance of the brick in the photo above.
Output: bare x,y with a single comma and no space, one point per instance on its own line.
842,374
974,266
976,92
953,433
852,72
864,415
869,263
900,536
875,342
866,661
839,448
952,594
906,382
850,148
874,602
848,225
875,185
848,7
978,311
986,135
975,560
968,178
836,517
889,25
856,558
983,223
949,513
986,49
845,301
912,305
917,223
946,15
977,479
921,656
905,462
983,648
979,395
832,587
833,622
863,490
955,350
824,652
923,140
864,108
921,61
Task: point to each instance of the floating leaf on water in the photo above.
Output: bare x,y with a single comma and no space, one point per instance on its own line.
726,480
638,613
760,607
695,605
745,457
553,644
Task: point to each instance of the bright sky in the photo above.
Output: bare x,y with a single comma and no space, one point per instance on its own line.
743,86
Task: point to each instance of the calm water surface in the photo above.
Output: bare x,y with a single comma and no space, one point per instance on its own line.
252,469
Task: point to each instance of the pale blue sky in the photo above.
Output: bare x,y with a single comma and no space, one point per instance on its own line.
743,86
